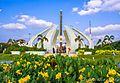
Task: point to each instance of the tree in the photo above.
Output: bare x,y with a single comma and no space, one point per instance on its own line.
11,41
42,38
99,42
108,38
79,39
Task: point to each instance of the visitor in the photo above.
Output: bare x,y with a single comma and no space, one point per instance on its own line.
113,54
53,50
69,50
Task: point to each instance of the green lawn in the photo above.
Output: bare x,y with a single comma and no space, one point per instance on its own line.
117,57
4,57
8,57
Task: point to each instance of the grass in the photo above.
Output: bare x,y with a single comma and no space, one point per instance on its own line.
117,57
10,57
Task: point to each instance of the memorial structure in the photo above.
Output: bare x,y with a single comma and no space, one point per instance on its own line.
53,35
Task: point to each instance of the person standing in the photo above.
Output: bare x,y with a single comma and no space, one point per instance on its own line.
53,50
69,50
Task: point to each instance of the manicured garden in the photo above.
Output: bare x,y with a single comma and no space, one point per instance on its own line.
54,69
102,66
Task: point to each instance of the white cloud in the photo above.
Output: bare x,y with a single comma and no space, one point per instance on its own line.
95,6
0,10
119,13
104,29
89,11
13,26
33,21
75,9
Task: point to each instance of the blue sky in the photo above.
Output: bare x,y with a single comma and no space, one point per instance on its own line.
20,17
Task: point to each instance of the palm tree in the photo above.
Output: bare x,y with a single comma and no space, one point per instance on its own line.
42,38
79,39
99,42
109,38
11,41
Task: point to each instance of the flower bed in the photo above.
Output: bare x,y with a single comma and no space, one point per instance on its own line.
54,69
107,52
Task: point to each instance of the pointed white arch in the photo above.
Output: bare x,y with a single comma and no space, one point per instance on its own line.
91,44
30,43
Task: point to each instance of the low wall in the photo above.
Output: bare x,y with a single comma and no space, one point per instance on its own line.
15,52
36,52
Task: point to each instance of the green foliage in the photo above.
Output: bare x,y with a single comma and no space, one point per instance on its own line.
15,47
82,50
110,46
116,45
3,46
72,69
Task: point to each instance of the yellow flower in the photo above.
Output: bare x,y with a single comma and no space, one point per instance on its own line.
28,63
48,64
58,76
35,66
21,59
25,60
92,67
18,72
45,74
40,73
107,81
5,67
45,66
93,79
67,73
118,74
21,80
112,72
111,79
83,58
78,82
82,70
55,66
40,64
36,62
18,63
9,81
107,75
23,65
25,79
81,77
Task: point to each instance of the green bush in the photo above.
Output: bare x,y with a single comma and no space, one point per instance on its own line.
3,46
15,47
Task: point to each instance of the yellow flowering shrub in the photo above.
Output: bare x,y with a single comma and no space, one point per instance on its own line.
58,75
24,80
112,72
80,52
59,69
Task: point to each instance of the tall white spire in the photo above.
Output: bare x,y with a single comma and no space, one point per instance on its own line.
90,30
